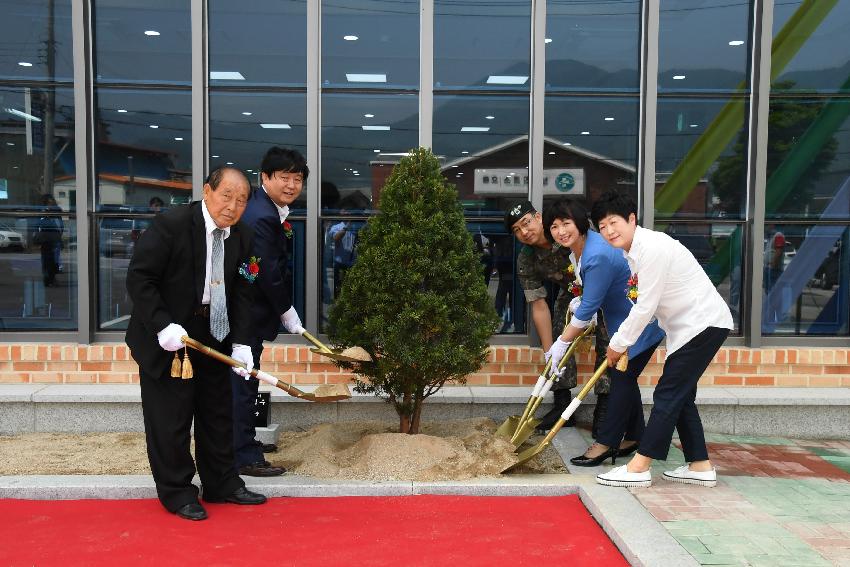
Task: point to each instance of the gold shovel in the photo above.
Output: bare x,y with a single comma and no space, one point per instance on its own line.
324,393
530,453
323,350
519,428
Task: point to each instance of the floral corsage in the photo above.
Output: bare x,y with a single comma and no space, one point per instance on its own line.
632,289
287,229
573,287
250,269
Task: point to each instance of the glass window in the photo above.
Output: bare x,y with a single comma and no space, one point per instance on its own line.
144,148
483,144
275,53
718,247
483,44
590,146
370,43
37,147
808,157
704,45
498,251
701,157
363,136
339,251
592,45
38,271
811,51
36,40
143,41
243,126
806,278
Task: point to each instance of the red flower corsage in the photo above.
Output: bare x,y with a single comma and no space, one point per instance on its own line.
632,289
287,229
250,269
573,288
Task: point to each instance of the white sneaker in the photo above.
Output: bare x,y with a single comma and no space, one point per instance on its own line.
620,476
686,476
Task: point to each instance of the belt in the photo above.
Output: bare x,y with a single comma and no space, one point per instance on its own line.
203,311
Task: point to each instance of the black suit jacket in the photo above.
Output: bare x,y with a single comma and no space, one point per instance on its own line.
274,282
166,282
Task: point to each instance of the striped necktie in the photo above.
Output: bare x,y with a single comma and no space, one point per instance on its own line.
219,325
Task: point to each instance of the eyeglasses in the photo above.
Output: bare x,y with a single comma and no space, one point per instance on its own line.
524,223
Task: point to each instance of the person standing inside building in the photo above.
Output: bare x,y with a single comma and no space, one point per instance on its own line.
669,285
603,275
184,280
283,174
540,260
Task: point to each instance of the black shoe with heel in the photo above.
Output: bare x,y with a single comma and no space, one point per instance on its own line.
584,461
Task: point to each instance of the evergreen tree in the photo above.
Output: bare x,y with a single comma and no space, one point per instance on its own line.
414,299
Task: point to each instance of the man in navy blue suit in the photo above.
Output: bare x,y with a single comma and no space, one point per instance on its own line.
283,174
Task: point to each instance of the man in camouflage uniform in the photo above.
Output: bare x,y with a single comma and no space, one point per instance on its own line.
539,261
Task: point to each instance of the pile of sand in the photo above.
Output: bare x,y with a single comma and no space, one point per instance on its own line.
452,450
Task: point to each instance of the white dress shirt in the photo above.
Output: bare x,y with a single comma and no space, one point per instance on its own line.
209,226
283,211
672,287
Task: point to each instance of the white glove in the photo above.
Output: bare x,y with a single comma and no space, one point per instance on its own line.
292,321
242,353
170,338
574,304
556,353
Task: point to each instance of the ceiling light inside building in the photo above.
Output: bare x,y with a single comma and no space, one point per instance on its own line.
377,151
609,119
24,63
229,163
490,117
506,80
464,152
226,76
736,42
215,156
350,37
366,77
368,116
548,40
694,125
585,133
178,139
247,113
678,77
122,111
152,33
275,126
372,127
154,126
551,153
475,129
21,114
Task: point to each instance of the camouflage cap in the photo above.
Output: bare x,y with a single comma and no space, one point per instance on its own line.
516,212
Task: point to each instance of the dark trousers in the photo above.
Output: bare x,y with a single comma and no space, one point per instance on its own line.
246,449
169,406
673,400
624,418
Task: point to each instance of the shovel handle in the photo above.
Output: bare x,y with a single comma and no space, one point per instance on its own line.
316,342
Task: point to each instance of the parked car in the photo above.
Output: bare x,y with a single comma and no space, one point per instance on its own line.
11,239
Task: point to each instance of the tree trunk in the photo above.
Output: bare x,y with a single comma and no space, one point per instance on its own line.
404,416
417,415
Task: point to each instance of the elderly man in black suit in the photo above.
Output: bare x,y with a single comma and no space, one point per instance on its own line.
283,173
184,279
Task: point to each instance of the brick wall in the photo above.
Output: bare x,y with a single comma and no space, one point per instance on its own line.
507,366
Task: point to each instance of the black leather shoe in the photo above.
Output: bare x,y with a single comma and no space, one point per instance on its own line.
584,461
261,468
268,447
192,511
240,496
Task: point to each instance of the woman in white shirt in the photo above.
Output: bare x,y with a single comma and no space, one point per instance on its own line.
671,287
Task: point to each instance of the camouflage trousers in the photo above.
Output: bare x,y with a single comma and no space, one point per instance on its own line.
570,377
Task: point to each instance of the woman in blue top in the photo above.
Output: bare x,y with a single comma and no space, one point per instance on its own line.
603,274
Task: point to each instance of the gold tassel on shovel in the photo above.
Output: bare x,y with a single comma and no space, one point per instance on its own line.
188,371
175,366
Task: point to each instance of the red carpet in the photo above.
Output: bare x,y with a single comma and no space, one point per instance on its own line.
443,531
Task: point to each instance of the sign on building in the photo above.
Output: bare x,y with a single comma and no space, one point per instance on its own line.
515,182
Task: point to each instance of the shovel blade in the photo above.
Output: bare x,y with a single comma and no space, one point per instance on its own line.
508,427
528,454
526,431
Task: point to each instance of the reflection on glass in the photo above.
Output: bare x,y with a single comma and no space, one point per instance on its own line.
143,41
482,142
243,126
144,148
339,242
704,45
718,247
808,156
36,147
498,252
806,279
592,45
701,158
363,137
35,40
482,44
370,43
275,54
819,53
38,270
590,146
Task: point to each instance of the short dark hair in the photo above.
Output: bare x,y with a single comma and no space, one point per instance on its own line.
284,159
613,203
156,201
217,175
565,208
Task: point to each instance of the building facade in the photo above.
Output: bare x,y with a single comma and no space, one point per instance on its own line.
729,122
